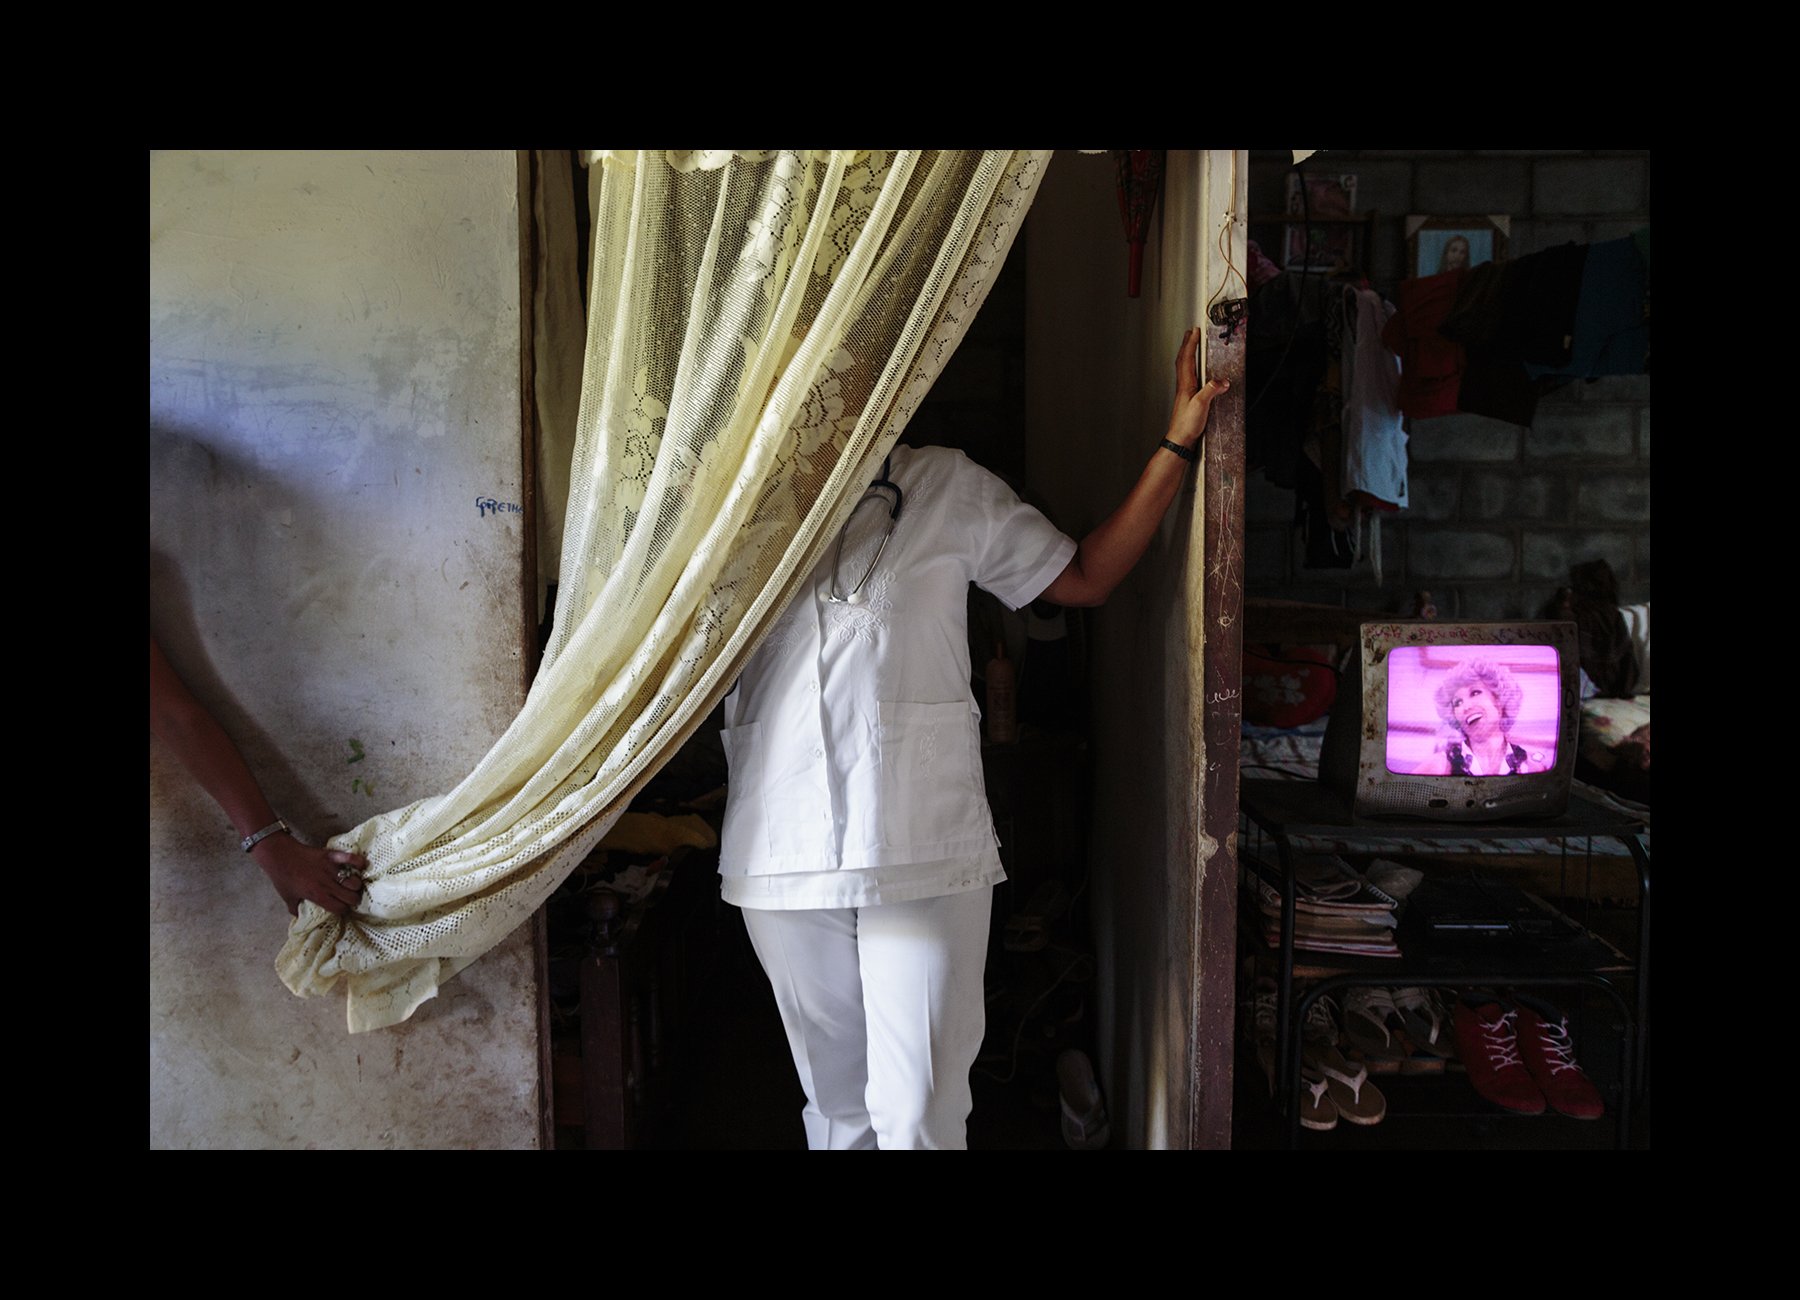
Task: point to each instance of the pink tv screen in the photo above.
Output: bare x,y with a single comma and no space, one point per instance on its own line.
1473,710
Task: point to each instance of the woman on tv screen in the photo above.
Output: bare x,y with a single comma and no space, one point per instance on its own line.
1479,702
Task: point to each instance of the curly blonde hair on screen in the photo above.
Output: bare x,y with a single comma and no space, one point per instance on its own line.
1505,688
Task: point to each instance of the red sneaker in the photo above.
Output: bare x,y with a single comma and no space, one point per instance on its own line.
1488,1042
1550,1056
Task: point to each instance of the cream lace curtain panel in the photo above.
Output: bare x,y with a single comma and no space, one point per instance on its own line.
761,327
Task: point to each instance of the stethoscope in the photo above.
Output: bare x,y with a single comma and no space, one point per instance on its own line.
873,491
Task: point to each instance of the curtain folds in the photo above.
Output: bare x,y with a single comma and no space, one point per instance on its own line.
761,326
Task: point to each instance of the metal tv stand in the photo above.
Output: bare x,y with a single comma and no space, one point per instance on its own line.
1289,810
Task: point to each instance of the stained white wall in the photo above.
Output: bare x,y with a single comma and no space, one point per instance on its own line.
334,382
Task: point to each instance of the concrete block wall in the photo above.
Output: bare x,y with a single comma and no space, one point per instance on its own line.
1499,512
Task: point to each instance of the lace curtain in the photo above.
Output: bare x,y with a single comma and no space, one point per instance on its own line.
761,326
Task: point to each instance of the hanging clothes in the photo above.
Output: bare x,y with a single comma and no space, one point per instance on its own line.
1325,542
1326,520
1374,432
1612,315
1327,422
1285,363
1508,314
1431,366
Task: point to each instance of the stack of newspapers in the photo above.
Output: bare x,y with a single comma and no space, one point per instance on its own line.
1336,908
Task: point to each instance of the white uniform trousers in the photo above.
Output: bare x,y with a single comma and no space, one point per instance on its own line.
884,1009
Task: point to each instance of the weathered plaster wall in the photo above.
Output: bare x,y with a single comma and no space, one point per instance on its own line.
1100,374
334,382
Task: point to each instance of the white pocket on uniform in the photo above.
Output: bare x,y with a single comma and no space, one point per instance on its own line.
745,830
931,788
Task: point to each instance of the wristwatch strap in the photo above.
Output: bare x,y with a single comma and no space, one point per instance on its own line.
251,841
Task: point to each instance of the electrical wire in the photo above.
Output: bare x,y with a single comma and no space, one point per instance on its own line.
1228,219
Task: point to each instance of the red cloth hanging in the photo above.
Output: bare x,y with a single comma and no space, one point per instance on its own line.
1431,366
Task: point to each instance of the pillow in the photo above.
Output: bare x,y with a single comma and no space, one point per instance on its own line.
1637,626
1606,723
1287,694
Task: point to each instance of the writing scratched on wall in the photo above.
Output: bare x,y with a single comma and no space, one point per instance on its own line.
488,506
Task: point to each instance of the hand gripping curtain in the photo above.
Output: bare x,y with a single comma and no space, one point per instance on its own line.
761,326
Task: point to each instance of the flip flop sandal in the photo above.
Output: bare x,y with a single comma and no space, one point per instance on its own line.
1445,1001
1084,1123
1318,1109
1424,1022
1369,1022
1347,1085
1419,1062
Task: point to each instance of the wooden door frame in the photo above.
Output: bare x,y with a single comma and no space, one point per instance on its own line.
1215,709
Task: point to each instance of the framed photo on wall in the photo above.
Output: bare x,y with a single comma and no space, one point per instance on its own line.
1435,245
1327,206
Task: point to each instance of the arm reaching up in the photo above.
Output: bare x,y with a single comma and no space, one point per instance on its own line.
1115,546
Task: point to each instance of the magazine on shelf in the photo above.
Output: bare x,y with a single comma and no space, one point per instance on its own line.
1272,936
1325,884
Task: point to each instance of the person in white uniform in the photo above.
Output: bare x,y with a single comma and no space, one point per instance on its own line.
857,836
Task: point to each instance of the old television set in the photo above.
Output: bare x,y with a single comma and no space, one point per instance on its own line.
1456,721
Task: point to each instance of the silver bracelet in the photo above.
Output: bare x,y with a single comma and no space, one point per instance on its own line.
251,841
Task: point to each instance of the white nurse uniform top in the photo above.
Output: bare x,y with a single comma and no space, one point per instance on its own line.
852,737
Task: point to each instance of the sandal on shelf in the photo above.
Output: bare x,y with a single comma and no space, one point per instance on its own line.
1426,1026
1369,1023
1347,1084
1318,1111
1446,1005
1318,1108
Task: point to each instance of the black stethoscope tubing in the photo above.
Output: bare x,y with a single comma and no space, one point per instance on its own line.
882,484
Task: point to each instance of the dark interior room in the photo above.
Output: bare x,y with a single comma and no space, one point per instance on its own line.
1329,829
